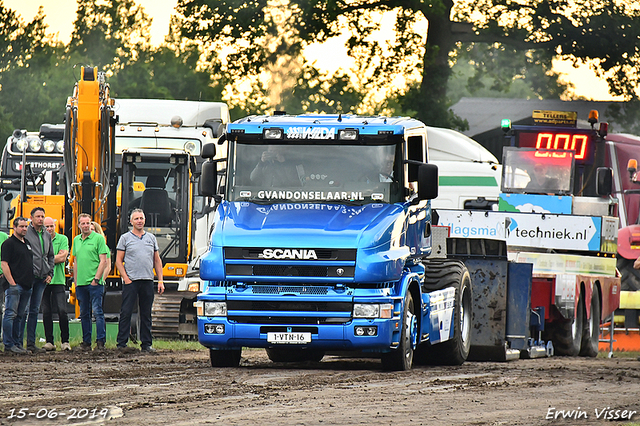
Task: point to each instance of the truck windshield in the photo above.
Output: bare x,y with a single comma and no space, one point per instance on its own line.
354,174
537,171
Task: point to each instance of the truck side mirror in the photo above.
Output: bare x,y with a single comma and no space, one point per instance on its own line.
208,178
604,179
208,151
216,125
427,181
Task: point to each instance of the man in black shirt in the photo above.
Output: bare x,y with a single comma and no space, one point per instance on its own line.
17,265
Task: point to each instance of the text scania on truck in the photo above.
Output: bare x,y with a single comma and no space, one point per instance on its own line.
322,241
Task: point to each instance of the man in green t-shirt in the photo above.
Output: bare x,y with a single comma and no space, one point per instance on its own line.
90,260
54,295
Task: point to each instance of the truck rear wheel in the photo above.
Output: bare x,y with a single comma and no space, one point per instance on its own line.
225,357
567,335
401,358
591,334
456,350
294,354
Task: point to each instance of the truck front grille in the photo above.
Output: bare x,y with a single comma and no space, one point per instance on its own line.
288,306
289,289
270,312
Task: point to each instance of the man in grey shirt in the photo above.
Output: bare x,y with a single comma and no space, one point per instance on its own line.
137,256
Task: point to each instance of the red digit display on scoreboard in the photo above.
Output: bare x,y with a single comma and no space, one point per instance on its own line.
579,141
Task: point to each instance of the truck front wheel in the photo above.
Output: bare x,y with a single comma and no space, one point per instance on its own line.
225,357
454,351
401,358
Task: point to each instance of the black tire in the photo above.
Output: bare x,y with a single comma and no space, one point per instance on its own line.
630,280
591,332
225,357
401,358
294,354
456,350
567,335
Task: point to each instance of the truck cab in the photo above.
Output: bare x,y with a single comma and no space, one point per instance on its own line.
320,244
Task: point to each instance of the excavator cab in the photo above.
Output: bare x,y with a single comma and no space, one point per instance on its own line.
165,199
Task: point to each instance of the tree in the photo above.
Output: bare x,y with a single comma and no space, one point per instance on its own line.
110,34
601,31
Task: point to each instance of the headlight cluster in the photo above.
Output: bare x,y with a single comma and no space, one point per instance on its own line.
214,328
35,144
372,310
215,309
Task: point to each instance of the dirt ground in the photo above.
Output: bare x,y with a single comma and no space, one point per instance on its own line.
181,388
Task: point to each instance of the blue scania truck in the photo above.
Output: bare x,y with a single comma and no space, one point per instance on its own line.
323,241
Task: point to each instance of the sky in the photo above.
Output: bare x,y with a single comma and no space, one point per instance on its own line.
60,14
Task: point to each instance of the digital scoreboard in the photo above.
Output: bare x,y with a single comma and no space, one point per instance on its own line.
556,131
581,141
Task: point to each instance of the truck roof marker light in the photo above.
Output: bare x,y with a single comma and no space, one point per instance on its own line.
35,145
60,146
139,128
348,134
176,121
273,133
593,116
505,125
156,129
21,145
49,145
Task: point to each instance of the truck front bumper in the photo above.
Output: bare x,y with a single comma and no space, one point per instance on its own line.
340,337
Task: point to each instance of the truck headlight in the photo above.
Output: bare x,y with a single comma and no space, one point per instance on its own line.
372,310
215,309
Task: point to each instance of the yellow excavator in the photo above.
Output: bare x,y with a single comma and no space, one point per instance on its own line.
89,157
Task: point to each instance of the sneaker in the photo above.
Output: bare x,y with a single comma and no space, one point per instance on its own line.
35,350
149,350
66,346
49,347
127,350
17,350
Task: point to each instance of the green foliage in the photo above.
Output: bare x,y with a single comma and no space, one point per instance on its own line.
37,74
498,70
508,42
625,118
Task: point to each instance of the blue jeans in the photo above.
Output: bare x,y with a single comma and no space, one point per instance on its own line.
15,308
90,299
34,309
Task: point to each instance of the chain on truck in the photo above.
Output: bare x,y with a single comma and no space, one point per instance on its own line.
556,213
324,241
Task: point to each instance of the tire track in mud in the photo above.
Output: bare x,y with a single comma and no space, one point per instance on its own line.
181,388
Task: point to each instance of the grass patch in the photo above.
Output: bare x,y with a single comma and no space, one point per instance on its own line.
619,354
174,345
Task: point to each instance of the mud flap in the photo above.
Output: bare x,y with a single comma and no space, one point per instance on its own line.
501,309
